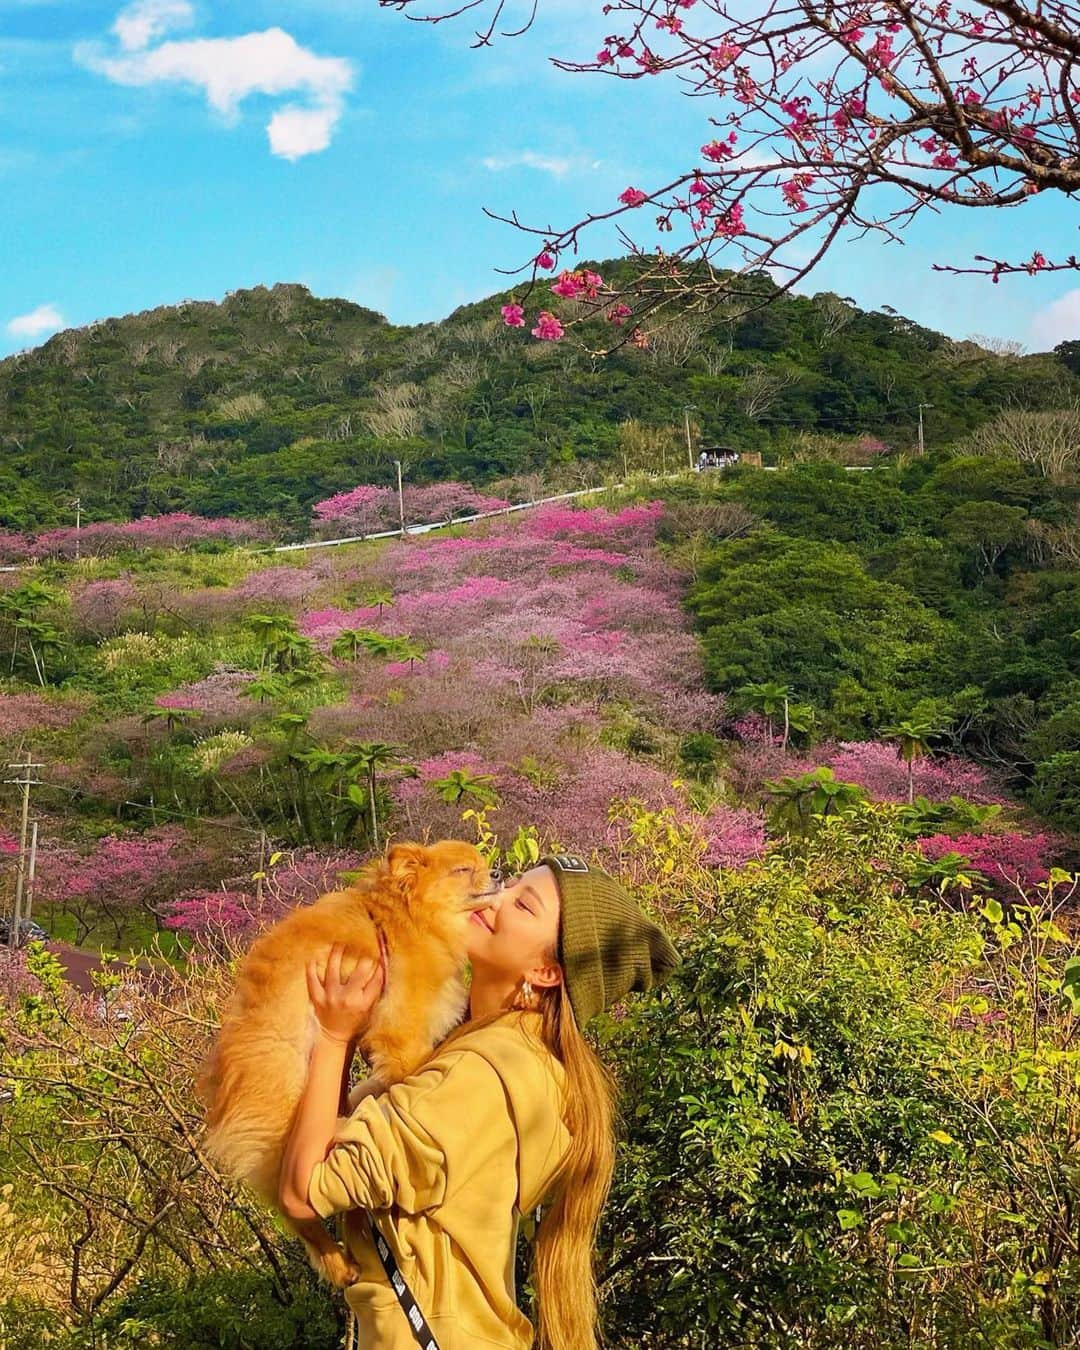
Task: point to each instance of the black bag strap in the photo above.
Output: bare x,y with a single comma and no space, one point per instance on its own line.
424,1335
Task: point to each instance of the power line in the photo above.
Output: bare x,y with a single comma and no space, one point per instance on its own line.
155,809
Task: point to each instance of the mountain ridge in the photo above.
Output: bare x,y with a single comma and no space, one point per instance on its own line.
264,402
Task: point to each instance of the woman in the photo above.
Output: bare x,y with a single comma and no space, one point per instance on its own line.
512,1111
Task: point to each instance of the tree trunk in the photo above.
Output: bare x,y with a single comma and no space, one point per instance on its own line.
371,793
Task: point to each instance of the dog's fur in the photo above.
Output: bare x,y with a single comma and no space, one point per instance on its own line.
420,898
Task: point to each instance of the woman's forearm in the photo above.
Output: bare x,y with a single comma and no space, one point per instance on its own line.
314,1124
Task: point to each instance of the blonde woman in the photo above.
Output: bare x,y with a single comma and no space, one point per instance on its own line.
512,1112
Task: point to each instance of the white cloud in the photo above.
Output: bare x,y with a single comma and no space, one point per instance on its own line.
557,165
1058,322
229,70
44,319
296,131
146,20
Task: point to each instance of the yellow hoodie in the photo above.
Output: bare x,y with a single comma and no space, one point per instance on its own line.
448,1160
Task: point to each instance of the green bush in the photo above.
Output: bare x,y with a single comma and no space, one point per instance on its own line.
850,1118
230,1310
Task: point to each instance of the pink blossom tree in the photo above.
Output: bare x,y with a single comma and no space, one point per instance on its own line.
122,874
178,529
102,609
825,122
363,510
25,714
368,509
1013,864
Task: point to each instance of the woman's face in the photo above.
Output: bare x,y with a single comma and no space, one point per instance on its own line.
513,937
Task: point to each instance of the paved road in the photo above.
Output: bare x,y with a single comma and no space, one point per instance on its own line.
78,965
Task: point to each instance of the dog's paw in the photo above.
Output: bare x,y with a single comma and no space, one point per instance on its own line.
338,1268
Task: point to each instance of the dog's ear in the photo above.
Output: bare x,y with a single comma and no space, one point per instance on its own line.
403,861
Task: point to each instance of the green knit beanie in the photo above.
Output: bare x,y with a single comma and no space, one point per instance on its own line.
607,947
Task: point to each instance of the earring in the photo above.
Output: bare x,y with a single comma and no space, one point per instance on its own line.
526,988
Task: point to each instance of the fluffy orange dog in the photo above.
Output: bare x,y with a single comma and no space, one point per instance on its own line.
419,898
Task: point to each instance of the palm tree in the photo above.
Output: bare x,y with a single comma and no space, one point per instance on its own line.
923,816
944,873
47,638
769,699
290,724
301,678
819,793
800,717
408,650
283,647
172,717
348,644
271,631
266,685
385,645
296,652
912,739
460,783
379,597
23,608
372,756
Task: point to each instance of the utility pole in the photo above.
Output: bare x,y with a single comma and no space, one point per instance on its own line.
400,497
77,503
25,782
30,871
922,445
687,410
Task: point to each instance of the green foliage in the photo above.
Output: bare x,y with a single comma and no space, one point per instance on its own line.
1056,791
227,1310
849,1116
808,615
286,396
938,609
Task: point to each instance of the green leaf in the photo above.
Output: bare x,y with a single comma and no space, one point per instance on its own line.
1070,983
992,911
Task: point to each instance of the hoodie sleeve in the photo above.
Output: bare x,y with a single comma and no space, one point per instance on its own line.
417,1141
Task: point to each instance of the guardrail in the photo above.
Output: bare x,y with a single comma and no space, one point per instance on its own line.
427,527
443,524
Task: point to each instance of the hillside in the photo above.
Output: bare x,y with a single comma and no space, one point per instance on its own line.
274,398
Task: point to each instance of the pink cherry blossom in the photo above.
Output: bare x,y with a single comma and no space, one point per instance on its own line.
633,196
721,57
569,285
718,151
513,316
548,328
731,222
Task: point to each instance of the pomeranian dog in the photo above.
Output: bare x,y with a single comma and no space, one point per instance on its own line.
417,899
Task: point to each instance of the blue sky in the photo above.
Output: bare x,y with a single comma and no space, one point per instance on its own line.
124,186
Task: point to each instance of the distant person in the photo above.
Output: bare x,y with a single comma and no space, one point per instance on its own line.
513,1110
702,461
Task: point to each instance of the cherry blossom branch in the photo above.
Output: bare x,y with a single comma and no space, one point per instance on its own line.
923,105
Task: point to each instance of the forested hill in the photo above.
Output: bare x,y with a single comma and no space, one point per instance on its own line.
275,398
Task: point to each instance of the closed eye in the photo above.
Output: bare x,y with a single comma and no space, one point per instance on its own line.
524,906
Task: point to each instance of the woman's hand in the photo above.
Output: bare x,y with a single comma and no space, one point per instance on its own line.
343,1006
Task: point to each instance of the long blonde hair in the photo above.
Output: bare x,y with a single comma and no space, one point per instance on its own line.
563,1250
